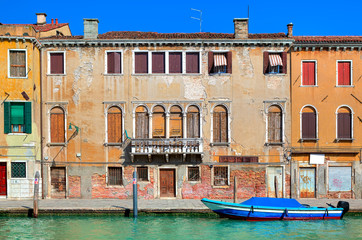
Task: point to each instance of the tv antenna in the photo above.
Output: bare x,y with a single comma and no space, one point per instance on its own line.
200,19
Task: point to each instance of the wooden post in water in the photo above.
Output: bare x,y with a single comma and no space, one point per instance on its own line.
36,195
276,186
235,189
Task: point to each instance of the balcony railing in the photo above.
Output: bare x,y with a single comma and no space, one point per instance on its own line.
157,146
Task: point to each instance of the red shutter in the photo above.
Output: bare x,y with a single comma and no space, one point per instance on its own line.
175,62
110,62
308,73
192,62
229,58
211,62
265,62
158,62
284,59
347,73
141,62
56,63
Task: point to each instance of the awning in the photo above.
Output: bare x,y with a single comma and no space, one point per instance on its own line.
219,59
275,60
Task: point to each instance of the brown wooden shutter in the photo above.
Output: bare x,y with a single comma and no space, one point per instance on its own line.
284,60
158,62
17,63
175,62
193,125
229,58
309,125
344,125
57,126
117,62
158,122
265,62
57,63
141,125
224,127
176,125
274,127
216,127
211,62
141,62
192,62
110,62
114,123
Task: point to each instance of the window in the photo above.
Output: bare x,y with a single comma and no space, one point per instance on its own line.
158,122
220,62
344,73
18,170
193,122
309,73
114,125
220,125
176,122
142,174
340,179
141,62
115,176
309,123
275,125
142,120
192,62
193,173
114,62
158,62
221,176
17,64
57,125
17,117
56,63
344,123
175,62
275,62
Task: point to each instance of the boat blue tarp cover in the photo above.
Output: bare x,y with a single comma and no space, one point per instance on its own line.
273,202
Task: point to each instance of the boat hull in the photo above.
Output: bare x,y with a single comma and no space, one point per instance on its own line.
260,213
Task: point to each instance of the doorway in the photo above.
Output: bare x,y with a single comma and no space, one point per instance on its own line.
58,182
3,179
307,182
167,183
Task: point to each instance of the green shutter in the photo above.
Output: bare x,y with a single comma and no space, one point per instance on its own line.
7,128
28,117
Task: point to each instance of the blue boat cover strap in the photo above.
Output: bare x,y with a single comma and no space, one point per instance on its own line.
273,202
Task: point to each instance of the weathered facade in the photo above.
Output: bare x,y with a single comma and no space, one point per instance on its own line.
326,117
188,111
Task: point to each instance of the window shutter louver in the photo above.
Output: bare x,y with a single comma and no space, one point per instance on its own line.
265,62
224,127
141,62
28,117
347,73
211,61
192,62
230,62
117,62
56,63
308,125
158,62
216,127
284,59
7,126
175,62
344,125
110,62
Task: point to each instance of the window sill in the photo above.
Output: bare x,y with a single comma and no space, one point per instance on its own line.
309,139
112,144
113,74
227,144
274,143
224,186
194,182
345,86
53,75
344,139
272,74
220,74
56,144
18,77
17,134
114,186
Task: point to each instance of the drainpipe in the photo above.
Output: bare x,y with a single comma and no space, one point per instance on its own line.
41,124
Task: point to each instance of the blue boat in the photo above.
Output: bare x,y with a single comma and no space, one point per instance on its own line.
264,209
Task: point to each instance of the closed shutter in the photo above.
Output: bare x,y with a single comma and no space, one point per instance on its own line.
265,62
274,127
308,73
114,123
175,62
344,125
220,127
211,62
158,123
284,59
57,126
141,125
176,125
158,62
308,125
344,73
17,63
110,62
141,62
28,117
193,125
192,62
7,125
216,127
114,62
229,62
56,63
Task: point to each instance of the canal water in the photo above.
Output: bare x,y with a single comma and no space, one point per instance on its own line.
174,227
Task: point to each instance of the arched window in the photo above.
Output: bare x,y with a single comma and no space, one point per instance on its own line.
158,122
309,123
193,122
275,124
57,125
344,123
141,122
220,124
114,124
176,122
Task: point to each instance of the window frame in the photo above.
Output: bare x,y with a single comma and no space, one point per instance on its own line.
26,169
148,174
228,130
315,73
226,52
301,124
122,177
64,63
352,114
228,176
26,62
106,124
350,70
193,181
266,71
106,63
26,120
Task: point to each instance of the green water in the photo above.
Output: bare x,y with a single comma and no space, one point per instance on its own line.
174,227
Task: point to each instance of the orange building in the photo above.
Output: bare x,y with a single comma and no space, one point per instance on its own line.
326,94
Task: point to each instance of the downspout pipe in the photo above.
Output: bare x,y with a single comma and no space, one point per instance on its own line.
41,124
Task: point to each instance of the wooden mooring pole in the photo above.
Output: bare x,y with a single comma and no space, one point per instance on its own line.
276,186
235,189
36,195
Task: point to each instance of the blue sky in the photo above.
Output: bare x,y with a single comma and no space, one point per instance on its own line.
310,17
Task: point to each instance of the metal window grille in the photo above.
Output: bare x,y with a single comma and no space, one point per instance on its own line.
221,176
193,174
18,170
142,173
115,176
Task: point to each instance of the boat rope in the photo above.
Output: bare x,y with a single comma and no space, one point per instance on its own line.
252,209
286,212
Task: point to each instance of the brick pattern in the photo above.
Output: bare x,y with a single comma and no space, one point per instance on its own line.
74,187
339,195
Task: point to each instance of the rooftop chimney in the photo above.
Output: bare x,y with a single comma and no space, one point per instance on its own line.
41,18
241,28
90,28
290,29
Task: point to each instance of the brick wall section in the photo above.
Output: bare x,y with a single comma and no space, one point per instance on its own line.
339,194
251,182
287,186
74,187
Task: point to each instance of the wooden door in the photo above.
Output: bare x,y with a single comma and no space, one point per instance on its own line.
307,182
275,181
167,179
3,185
58,182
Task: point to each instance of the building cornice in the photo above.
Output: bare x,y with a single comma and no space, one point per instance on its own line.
22,39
